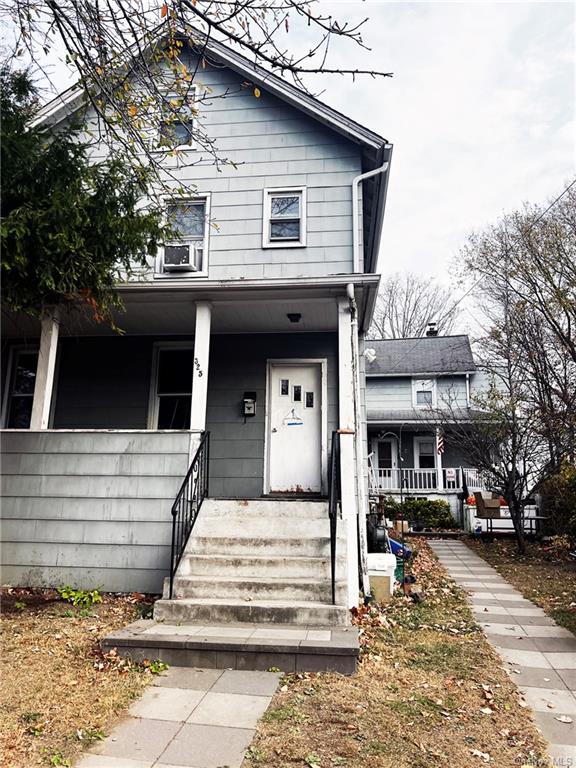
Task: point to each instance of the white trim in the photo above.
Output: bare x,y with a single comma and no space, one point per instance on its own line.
270,192
302,361
159,273
14,350
416,448
157,133
393,450
157,346
427,385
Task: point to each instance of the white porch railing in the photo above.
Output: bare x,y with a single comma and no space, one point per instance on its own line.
426,480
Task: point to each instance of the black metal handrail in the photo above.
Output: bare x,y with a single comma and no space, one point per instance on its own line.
334,503
187,503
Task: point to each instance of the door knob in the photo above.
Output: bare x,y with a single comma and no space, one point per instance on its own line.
274,429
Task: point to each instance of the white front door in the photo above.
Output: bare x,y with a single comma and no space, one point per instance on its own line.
295,428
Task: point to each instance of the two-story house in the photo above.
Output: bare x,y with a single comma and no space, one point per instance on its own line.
408,381
239,370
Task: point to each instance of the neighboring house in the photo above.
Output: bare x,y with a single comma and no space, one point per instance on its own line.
407,380
248,331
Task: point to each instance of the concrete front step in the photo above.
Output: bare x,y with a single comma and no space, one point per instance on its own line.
276,508
287,589
247,546
257,566
253,526
308,648
221,611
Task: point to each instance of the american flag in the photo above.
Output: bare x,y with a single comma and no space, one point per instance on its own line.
439,442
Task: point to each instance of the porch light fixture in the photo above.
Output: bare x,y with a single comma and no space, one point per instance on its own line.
294,317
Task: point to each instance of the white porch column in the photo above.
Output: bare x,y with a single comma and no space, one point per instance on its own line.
200,366
44,383
439,472
347,428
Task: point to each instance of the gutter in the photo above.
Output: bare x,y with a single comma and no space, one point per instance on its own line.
356,209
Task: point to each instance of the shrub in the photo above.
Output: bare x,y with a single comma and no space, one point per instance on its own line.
80,597
559,502
431,513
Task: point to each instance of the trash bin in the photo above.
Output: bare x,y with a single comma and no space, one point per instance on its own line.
381,568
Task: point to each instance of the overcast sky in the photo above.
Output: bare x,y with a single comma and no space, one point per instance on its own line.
481,112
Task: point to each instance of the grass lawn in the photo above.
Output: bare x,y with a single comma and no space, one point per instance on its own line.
57,692
544,574
429,692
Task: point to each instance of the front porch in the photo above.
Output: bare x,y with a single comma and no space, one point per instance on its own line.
448,480
115,421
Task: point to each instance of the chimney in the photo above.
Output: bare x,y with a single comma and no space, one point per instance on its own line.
432,330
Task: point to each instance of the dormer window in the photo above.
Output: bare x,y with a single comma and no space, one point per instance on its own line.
177,121
284,223
423,393
188,253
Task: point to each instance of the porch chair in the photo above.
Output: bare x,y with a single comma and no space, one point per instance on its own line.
487,508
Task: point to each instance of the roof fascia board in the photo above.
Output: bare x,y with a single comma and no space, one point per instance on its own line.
417,373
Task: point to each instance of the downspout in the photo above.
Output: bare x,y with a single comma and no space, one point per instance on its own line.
358,447
356,213
467,390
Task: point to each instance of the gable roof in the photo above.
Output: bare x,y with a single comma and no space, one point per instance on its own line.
425,355
376,150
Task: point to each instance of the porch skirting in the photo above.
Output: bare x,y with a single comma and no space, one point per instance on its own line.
89,508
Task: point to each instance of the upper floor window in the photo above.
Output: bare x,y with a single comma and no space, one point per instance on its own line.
423,393
188,253
177,120
284,223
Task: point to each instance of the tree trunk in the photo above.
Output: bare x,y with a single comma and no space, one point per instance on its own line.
517,515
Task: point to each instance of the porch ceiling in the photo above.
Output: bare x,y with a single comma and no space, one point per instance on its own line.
238,307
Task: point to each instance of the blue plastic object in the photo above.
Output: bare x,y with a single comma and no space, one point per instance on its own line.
399,550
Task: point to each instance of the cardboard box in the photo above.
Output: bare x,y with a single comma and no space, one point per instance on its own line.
401,526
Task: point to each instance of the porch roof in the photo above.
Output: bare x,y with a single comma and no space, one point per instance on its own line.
412,416
239,306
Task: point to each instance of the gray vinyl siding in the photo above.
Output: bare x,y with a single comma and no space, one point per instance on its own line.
104,383
395,393
91,509
237,365
272,145
451,392
387,394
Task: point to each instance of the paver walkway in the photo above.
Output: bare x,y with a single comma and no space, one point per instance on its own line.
203,718
540,655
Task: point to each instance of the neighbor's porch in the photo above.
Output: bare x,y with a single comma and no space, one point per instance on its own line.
412,459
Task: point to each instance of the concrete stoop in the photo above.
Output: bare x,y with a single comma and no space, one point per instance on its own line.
259,561
240,646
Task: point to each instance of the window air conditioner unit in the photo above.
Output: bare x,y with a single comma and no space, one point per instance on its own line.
177,258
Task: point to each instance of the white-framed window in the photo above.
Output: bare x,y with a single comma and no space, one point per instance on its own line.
171,386
424,393
19,391
188,253
425,452
177,122
284,224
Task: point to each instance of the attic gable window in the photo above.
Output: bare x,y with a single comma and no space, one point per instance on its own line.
284,224
188,252
423,393
177,120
